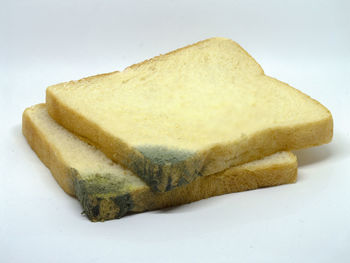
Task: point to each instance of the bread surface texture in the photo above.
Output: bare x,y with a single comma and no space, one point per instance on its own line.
192,112
107,191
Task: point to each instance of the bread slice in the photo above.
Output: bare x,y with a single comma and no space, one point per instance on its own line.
195,111
107,191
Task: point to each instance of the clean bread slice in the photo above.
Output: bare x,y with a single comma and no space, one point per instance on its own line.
108,191
195,111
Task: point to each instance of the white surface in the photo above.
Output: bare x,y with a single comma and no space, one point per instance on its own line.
304,43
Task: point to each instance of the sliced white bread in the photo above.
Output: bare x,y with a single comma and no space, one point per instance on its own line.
107,191
195,111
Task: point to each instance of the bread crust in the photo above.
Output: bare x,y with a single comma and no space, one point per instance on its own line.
235,179
47,152
208,161
216,158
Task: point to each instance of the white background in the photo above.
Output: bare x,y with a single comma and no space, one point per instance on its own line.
304,43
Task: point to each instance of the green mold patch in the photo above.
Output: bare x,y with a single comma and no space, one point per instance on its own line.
104,184
103,196
164,169
160,155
